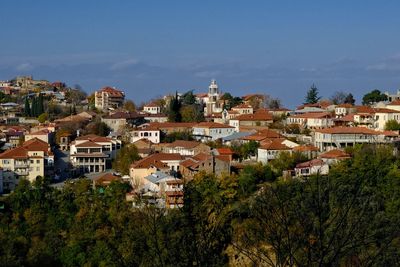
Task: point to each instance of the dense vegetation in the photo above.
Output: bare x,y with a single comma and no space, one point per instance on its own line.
348,218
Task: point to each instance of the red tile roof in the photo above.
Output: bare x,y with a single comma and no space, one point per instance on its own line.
335,154
112,91
311,163
258,116
312,115
184,144
88,144
274,144
305,148
156,160
212,125
349,130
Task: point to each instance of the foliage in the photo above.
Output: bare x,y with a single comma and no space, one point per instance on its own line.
231,101
292,129
171,137
373,97
192,113
43,117
349,99
312,96
130,106
392,125
27,108
246,150
287,161
174,114
97,128
188,98
125,156
347,218
75,95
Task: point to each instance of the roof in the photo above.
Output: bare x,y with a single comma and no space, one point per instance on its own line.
236,135
311,163
258,116
28,146
395,103
385,110
156,160
345,105
364,109
123,115
88,144
15,153
111,91
225,151
335,154
157,176
36,144
349,130
274,144
305,148
160,125
152,104
94,138
212,125
106,179
184,144
262,134
41,132
312,115
242,106
346,118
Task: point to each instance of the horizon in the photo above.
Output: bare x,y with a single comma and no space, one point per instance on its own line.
279,49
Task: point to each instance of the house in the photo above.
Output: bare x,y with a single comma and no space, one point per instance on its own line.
333,156
145,147
383,115
225,152
160,117
243,109
312,167
164,162
44,135
92,153
14,135
109,98
121,119
159,183
344,109
203,162
34,158
105,180
152,108
311,120
206,131
174,199
170,127
186,148
150,133
65,141
309,151
261,135
255,100
270,149
340,137
259,118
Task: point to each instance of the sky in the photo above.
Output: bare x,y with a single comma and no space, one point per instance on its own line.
152,48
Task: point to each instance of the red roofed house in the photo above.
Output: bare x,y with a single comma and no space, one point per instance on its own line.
186,148
30,160
311,120
207,163
164,162
109,98
340,137
269,149
91,153
44,135
312,167
152,108
212,131
333,156
259,118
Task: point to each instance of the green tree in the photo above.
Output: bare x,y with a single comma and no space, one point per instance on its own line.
174,114
188,98
373,97
349,99
312,96
27,108
392,125
130,106
192,113
43,117
125,157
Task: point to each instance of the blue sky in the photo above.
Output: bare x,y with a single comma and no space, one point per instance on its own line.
150,48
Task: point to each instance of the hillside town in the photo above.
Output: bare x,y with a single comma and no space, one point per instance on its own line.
49,129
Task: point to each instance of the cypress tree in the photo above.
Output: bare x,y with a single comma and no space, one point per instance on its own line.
40,105
27,108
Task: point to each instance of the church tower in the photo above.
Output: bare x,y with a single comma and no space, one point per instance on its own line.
213,105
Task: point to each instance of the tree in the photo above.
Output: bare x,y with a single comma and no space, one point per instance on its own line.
27,108
373,97
392,125
40,105
188,98
231,101
43,117
349,99
273,103
174,114
338,98
130,106
125,156
192,113
98,128
312,95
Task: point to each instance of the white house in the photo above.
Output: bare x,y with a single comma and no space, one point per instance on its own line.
212,131
313,120
312,167
383,115
152,108
271,148
150,133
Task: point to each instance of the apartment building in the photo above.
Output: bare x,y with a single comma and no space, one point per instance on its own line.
34,158
109,98
92,153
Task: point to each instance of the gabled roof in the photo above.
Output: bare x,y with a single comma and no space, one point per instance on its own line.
349,130
335,154
242,106
212,125
106,179
258,116
184,144
305,148
311,163
41,132
112,91
15,153
395,103
124,115
274,144
36,144
88,144
94,138
157,160
22,151
312,115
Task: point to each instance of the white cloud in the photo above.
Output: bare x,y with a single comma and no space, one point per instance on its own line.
24,67
124,64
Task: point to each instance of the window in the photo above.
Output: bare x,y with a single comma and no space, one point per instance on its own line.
38,161
32,161
37,169
6,161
